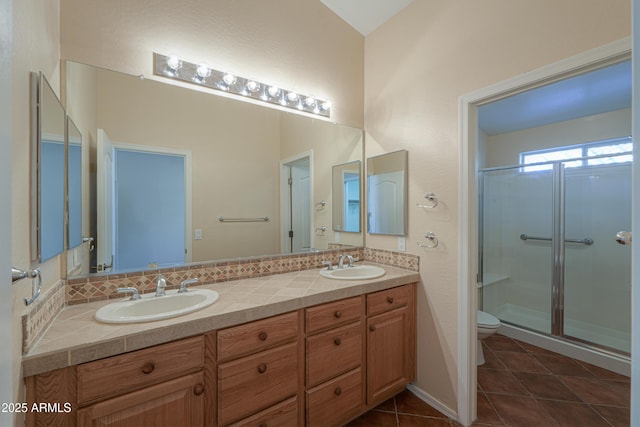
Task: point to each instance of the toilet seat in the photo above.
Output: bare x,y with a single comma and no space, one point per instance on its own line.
487,321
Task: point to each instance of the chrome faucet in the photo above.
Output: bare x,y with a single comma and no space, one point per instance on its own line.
135,294
161,284
185,283
342,258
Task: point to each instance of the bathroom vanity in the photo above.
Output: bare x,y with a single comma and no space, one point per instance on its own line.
335,355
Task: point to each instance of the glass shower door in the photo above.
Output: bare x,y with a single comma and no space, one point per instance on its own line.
597,276
516,269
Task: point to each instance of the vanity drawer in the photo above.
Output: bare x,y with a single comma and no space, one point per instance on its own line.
333,314
284,414
255,382
388,299
257,336
325,350
131,371
335,401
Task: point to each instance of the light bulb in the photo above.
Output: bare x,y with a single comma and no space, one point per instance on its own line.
253,86
309,101
326,105
292,96
229,79
203,71
173,64
273,91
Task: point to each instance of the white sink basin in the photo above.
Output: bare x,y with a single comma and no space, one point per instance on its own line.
359,272
151,308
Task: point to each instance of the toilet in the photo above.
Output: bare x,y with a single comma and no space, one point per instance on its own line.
487,325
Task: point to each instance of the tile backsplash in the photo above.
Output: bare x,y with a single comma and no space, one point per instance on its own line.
103,286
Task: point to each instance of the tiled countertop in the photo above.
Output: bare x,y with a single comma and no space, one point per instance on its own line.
75,337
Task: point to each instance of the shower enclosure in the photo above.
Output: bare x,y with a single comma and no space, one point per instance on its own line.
549,257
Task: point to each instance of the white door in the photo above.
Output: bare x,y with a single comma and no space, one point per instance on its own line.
105,195
6,299
386,214
301,206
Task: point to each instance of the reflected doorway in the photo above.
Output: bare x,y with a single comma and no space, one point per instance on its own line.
295,197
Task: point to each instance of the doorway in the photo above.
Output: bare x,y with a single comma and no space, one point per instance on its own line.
295,204
144,209
469,228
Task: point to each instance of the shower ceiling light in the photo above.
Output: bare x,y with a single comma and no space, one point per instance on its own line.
200,74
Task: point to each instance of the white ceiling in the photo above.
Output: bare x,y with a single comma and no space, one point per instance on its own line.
366,15
596,92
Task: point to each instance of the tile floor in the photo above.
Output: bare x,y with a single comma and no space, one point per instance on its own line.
521,385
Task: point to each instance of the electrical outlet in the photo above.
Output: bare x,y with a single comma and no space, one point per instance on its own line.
198,234
402,243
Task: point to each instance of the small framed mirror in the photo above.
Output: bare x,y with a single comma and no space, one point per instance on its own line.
74,185
387,193
47,169
346,197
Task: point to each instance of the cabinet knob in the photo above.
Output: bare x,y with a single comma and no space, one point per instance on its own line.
337,341
390,300
198,389
262,368
148,368
372,328
337,391
337,314
262,336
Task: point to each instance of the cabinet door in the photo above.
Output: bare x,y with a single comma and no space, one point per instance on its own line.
175,403
389,354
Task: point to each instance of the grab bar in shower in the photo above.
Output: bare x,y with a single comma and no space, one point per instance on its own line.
261,219
586,241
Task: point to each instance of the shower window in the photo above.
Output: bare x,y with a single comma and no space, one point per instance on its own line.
585,154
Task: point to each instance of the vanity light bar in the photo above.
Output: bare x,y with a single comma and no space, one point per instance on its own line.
201,75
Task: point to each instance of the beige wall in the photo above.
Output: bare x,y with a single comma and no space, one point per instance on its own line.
504,149
296,44
417,65
35,47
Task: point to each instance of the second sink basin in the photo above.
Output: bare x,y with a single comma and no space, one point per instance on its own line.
151,308
359,272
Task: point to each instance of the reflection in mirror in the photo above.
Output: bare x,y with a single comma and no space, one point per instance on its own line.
74,185
387,193
346,197
49,166
235,150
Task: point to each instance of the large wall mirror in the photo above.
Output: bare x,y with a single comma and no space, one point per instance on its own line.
195,176
48,170
387,193
346,197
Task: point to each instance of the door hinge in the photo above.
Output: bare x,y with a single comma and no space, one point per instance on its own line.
289,181
290,233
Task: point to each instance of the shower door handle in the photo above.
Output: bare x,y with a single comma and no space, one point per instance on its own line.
624,237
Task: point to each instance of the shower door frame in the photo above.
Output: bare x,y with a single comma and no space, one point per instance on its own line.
558,246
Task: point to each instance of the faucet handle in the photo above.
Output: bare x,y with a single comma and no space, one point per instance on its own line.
185,283
136,295
328,264
352,260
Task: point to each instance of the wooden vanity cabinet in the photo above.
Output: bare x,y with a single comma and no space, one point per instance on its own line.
335,348
391,342
259,372
318,366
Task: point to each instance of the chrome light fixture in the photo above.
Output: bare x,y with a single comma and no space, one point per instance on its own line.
175,68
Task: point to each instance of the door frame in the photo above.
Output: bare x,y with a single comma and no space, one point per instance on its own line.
187,182
468,198
285,222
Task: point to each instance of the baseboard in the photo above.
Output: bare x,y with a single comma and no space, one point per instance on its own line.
432,401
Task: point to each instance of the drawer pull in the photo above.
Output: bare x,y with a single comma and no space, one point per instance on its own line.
337,391
337,314
262,336
262,368
337,341
372,328
148,368
390,300
198,389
